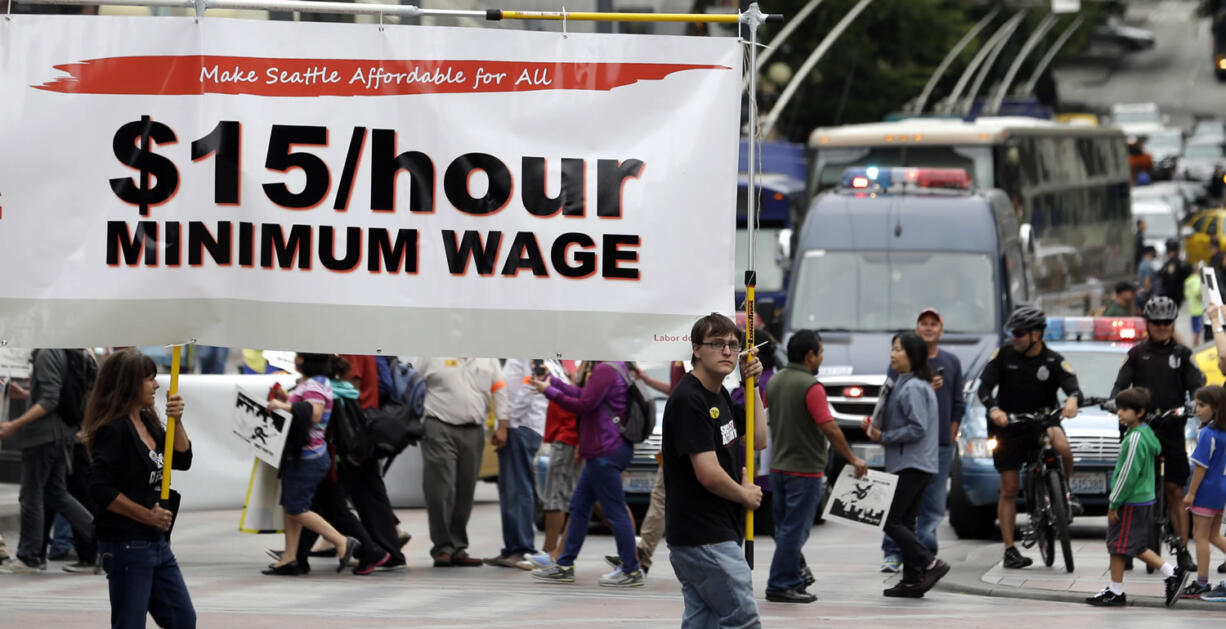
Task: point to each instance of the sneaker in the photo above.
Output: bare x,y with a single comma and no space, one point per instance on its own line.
613,560
367,568
1107,598
1217,594
81,567
18,566
505,561
1015,560
1185,560
392,565
556,573
622,579
891,564
540,560
930,577
1174,586
1195,589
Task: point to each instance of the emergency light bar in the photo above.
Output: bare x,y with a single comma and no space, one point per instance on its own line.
1119,329
874,179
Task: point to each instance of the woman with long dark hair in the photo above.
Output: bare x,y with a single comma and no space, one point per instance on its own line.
909,431
126,440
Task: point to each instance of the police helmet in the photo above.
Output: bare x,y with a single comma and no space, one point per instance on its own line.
1161,309
1026,318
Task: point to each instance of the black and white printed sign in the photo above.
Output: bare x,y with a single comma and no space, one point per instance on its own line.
262,430
861,501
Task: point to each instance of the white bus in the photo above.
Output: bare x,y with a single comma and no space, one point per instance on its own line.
1069,187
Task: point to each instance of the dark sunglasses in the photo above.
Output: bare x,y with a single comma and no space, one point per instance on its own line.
1162,322
1017,334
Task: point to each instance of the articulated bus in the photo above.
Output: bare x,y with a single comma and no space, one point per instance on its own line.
1069,186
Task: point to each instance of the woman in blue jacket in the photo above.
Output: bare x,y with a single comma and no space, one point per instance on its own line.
909,431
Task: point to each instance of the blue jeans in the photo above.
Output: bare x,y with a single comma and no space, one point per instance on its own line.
61,536
717,586
932,510
516,489
601,481
212,359
794,501
144,578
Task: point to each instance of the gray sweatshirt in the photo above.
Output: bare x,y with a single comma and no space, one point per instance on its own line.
910,428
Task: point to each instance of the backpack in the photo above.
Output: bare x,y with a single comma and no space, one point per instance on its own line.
350,431
400,382
640,416
76,383
397,423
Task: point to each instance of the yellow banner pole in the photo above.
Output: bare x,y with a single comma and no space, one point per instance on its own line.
169,453
750,384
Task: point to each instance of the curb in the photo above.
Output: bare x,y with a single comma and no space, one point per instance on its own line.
965,579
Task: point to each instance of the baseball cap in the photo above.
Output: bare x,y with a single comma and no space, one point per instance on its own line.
933,312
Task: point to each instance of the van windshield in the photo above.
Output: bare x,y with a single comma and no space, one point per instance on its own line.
885,290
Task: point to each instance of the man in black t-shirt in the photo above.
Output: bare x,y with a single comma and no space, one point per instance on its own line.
706,490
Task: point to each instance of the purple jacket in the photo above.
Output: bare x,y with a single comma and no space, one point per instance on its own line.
596,403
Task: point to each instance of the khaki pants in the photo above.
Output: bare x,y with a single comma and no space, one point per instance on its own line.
652,528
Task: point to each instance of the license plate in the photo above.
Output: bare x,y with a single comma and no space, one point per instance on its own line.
1088,483
639,482
870,452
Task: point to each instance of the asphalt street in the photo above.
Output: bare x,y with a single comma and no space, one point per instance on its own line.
222,567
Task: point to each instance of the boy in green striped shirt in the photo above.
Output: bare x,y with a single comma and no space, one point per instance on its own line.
1130,502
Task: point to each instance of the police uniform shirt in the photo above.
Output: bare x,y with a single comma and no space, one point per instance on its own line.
1026,384
1169,373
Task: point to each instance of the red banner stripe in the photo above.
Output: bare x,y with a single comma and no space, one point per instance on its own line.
261,76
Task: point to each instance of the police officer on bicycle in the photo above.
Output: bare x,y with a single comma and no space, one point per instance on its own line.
1165,368
1028,374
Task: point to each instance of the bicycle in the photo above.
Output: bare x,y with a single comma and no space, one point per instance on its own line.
1161,530
1046,490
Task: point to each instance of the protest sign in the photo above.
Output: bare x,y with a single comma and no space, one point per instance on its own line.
863,501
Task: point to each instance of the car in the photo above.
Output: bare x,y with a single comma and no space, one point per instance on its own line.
1164,143
1138,119
1168,192
1130,38
1095,347
1208,130
1161,221
1200,160
1205,224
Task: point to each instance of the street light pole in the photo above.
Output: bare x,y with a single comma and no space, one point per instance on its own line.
918,107
986,68
807,66
947,105
993,105
1028,87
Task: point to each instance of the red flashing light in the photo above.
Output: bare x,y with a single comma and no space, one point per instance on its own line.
1126,329
853,392
859,183
951,178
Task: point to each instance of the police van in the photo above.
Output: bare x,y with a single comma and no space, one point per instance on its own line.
882,247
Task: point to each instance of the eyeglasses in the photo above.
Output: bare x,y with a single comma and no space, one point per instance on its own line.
719,346
1162,322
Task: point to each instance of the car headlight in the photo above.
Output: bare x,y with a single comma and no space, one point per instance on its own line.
979,448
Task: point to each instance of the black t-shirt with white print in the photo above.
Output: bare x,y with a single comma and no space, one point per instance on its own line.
695,421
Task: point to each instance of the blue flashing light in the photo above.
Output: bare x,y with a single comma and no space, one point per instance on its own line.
1055,329
869,177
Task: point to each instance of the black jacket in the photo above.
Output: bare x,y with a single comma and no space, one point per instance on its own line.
122,464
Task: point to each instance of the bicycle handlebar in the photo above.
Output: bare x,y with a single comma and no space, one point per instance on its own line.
1050,417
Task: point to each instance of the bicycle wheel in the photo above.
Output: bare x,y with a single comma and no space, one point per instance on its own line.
1040,521
1059,516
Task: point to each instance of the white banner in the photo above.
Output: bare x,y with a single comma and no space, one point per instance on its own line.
257,428
357,188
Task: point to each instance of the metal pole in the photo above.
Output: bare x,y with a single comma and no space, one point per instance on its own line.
986,68
753,18
807,66
920,102
1028,87
993,105
951,100
410,11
